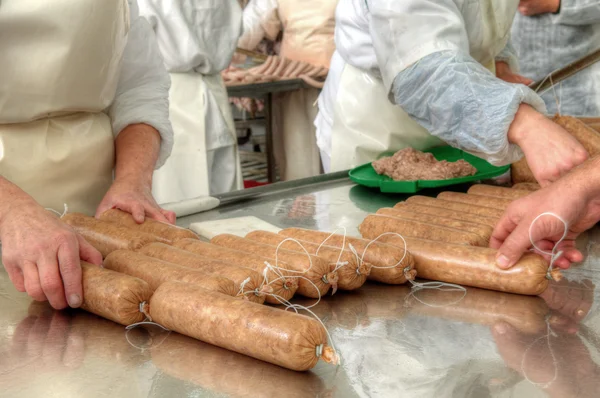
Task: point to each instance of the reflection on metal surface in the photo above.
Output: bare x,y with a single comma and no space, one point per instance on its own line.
488,344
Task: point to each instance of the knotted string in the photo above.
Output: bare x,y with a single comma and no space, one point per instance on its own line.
553,254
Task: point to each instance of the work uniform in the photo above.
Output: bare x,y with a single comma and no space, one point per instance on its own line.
197,39
73,75
411,74
551,41
308,28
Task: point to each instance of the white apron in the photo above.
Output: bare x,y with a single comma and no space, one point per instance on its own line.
204,159
59,68
366,123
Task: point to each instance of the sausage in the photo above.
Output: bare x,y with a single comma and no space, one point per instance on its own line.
248,281
281,67
587,136
260,69
497,192
476,267
283,338
527,186
526,313
107,237
167,232
482,230
300,69
312,82
155,272
211,368
454,214
271,69
316,270
281,281
289,68
485,201
456,206
379,255
520,172
111,295
350,276
375,225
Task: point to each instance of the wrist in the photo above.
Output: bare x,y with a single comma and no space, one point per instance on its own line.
525,119
13,198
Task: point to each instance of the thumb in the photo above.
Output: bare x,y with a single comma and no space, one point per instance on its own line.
513,246
88,253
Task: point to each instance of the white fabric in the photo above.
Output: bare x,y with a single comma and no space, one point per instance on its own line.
194,35
382,38
67,158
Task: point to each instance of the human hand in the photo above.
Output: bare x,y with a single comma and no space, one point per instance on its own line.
134,198
549,149
565,198
42,255
536,7
504,72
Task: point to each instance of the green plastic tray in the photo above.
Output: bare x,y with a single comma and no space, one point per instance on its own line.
366,175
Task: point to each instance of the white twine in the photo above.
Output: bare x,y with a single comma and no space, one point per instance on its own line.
548,335
243,285
134,325
65,211
553,254
339,263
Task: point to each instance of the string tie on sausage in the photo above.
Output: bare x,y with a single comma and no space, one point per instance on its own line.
381,236
555,253
243,285
65,211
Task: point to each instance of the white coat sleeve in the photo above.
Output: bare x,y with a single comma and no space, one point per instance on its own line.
260,19
423,52
143,90
578,12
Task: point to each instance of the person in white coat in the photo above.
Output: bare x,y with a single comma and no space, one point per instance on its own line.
84,121
550,34
418,73
197,39
308,28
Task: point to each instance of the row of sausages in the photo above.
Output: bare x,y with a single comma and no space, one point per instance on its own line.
276,68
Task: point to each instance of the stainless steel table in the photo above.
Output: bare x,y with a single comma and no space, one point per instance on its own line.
393,342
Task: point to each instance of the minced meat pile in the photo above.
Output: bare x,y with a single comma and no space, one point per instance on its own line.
409,164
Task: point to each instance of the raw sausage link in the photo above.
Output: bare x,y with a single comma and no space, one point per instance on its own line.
377,254
476,266
525,313
350,276
107,237
438,211
282,284
280,337
520,172
316,270
497,192
456,206
111,295
586,135
155,272
527,186
482,230
248,281
478,200
375,225
162,230
312,82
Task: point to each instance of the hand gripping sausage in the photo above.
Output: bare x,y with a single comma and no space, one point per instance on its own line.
476,266
316,270
107,237
526,313
385,259
456,206
283,338
281,281
376,225
350,276
454,214
527,186
248,281
486,201
170,233
111,295
155,272
497,192
482,230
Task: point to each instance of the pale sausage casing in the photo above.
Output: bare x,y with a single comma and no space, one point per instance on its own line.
457,206
440,212
280,337
112,295
497,192
384,258
478,200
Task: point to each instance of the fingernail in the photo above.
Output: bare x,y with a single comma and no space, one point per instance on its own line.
74,301
500,328
502,261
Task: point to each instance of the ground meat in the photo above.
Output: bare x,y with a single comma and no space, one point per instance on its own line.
409,164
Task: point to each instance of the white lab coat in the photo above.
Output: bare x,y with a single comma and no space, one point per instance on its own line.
197,39
308,27
376,40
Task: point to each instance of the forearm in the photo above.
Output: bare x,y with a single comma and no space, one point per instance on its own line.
584,180
11,195
136,150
